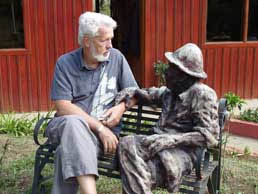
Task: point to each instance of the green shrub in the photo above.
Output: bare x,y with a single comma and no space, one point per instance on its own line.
17,126
20,126
249,115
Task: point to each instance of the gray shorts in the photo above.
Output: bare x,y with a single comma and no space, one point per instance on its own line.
77,151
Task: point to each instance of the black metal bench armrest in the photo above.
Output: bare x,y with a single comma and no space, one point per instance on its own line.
37,129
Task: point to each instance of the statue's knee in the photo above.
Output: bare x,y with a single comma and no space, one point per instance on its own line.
126,142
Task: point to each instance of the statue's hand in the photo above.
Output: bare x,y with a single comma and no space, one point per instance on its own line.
142,94
159,142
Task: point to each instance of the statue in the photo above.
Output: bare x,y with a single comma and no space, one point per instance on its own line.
189,120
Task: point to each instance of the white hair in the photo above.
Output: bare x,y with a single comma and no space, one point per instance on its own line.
90,22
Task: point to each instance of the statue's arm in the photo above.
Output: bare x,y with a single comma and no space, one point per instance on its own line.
147,96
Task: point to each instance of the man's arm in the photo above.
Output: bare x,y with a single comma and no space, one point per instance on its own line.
113,115
127,98
65,107
109,140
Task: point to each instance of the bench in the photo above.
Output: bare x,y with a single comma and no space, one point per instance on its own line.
139,120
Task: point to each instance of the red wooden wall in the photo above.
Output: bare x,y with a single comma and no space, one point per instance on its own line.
169,24
172,23
26,74
232,68
51,30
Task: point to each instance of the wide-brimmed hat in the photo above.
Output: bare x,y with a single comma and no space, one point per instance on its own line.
189,59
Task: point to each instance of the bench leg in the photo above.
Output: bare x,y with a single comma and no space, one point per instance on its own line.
214,182
203,187
216,176
37,174
211,187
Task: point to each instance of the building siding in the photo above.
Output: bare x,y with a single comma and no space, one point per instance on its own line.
172,23
51,28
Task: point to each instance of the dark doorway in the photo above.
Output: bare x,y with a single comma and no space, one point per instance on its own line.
126,14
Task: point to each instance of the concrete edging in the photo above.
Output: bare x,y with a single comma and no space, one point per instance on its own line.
242,128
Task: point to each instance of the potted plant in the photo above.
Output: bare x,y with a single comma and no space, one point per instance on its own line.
160,68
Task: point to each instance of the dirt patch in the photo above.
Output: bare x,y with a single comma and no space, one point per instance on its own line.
18,147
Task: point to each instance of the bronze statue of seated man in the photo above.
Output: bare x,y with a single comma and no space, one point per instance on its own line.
189,120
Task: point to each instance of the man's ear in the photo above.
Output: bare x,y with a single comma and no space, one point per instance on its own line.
86,41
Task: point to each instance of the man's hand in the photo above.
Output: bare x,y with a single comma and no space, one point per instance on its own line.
108,139
113,115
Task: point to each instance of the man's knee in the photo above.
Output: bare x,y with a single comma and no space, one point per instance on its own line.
75,124
72,124
73,120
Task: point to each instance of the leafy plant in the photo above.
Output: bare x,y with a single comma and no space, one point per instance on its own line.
10,124
160,69
247,151
233,101
19,126
249,115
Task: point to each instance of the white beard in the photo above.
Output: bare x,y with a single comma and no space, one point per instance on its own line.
101,58
98,57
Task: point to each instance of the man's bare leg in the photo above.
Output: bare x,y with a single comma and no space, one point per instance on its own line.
87,184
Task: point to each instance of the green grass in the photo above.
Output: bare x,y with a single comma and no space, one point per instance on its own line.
16,176
239,173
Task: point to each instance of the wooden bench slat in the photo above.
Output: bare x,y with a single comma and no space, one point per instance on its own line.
183,190
139,125
135,131
135,118
144,110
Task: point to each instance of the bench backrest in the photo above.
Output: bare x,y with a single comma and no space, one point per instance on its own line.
138,120
141,119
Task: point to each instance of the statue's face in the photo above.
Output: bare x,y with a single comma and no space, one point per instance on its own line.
174,76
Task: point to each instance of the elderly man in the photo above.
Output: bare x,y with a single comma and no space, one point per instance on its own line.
84,87
188,121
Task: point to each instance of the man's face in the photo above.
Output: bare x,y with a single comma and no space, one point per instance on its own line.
100,44
174,75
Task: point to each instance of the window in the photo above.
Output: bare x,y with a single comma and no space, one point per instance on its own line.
11,24
232,20
253,21
225,20
126,13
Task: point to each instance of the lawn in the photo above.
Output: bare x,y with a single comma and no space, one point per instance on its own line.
16,171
